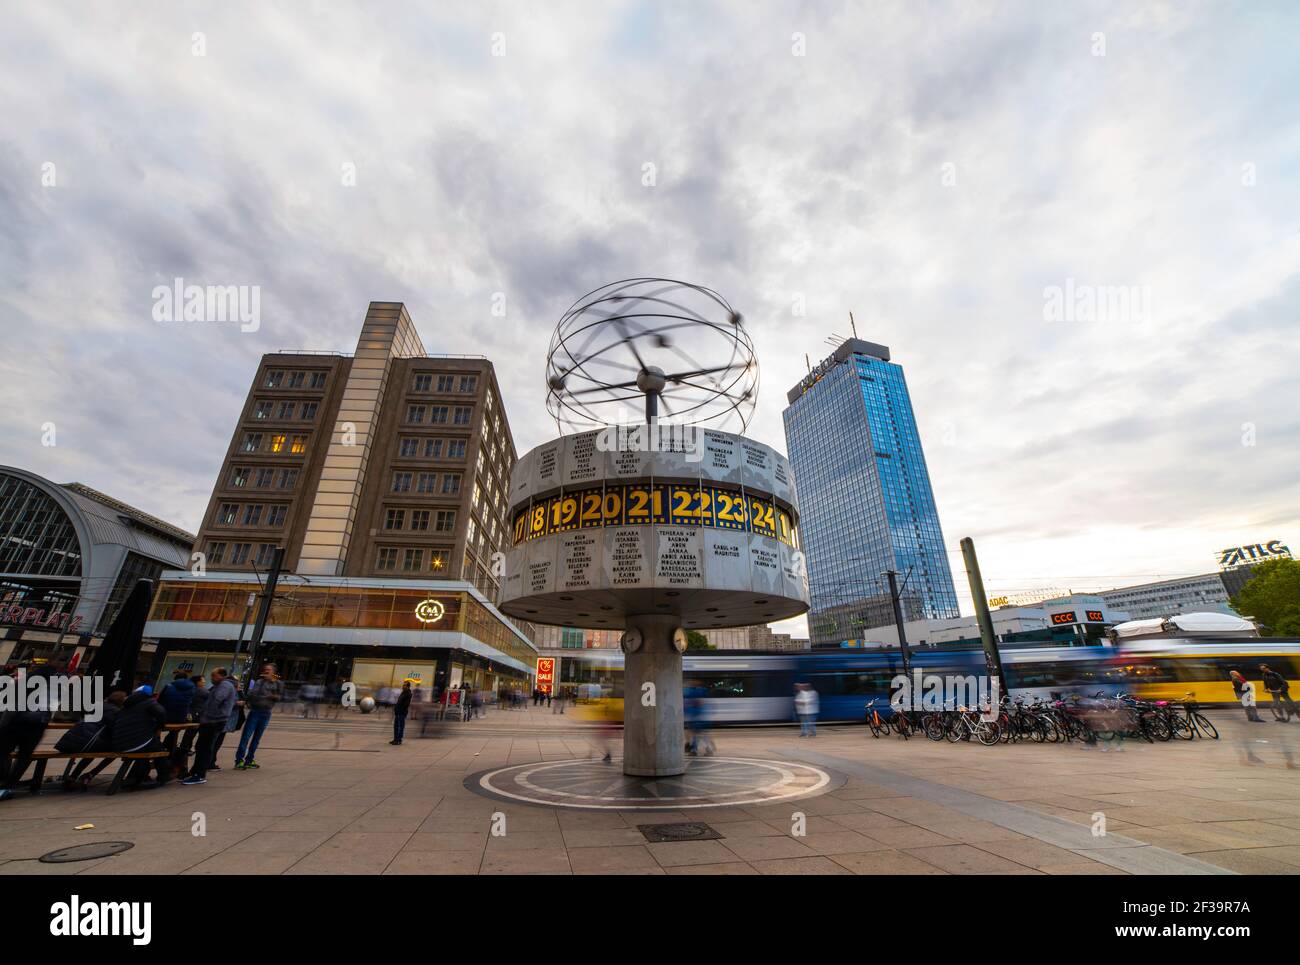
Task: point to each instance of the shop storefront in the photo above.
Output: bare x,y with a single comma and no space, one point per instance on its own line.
328,630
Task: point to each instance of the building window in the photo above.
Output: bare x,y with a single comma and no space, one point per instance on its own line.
438,414
426,481
463,415
239,477
419,519
216,552
456,449
227,514
299,445
286,410
309,411
401,482
451,483
278,442
445,383
288,478
386,559
265,553
275,515
239,553
394,519
252,442
469,383
253,514
262,410
437,560
296,379
409,448
413,561
318,380
274,379
263,478
422,383
415,414
432,448
445,520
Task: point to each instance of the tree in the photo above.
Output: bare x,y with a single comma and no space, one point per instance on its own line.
698,641
1272,598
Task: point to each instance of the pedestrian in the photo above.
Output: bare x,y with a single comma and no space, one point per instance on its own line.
1246,691
1277,685
20,732
91,736
135,731
216,714
263,694
400,710
807,705
176,699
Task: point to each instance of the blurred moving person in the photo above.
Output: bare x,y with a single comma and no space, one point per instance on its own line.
807,704
400,710
264,693
698,722
1246,691
1277,685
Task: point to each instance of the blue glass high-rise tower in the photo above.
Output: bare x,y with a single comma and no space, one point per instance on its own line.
866,506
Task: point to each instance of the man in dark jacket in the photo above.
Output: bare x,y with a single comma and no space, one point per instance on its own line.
1277,685
264,693
88,736
400,710
212,721
176,699
20,731
135,731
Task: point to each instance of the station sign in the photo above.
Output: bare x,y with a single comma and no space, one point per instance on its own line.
32,616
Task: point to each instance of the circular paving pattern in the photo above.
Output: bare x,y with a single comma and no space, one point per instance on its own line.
708,782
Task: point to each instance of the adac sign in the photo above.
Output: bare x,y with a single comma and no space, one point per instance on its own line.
1253,553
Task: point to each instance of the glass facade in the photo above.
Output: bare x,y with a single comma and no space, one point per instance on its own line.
865,500
36,536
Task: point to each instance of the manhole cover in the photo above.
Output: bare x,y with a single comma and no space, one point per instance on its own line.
87,852
691,831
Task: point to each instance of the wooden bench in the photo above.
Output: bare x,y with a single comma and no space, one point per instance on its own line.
41,758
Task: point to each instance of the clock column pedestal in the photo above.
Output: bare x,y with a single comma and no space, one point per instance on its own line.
654,737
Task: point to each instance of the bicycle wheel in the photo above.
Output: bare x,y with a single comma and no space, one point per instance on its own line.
1157,725
954,731
877,729
988,733
1182,727
901,726
1203,724
934,728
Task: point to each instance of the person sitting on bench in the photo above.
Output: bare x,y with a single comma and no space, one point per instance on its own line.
136,732
87,737
21,731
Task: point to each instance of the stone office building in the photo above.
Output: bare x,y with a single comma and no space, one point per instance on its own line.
383,474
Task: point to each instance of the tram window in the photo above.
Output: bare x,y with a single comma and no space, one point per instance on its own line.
851,684
742,685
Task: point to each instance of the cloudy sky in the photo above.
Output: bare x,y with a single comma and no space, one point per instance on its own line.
937,170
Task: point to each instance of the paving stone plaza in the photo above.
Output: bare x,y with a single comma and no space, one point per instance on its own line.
334,797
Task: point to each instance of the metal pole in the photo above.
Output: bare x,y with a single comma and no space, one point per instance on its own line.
991,658
268,596
898,622
239,641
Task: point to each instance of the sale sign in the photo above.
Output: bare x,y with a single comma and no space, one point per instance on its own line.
546,674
